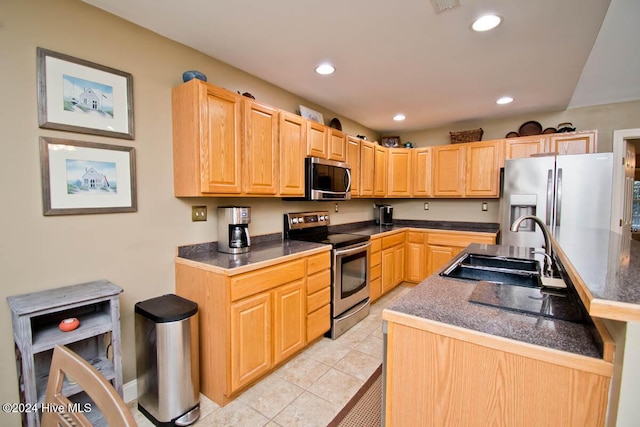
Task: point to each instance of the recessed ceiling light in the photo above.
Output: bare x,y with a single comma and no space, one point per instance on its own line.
399,117
325,69
486,23
504,100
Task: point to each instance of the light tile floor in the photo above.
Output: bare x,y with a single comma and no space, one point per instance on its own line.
311,388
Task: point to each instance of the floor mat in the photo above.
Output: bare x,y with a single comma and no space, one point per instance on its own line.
365,408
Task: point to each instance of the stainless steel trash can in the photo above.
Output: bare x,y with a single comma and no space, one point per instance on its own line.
167,360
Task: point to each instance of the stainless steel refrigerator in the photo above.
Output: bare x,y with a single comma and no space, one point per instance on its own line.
564,191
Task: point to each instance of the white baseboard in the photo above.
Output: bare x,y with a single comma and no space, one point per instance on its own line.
130,391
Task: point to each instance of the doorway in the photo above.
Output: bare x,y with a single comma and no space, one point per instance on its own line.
625,212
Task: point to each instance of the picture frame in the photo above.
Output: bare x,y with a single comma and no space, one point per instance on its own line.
80,96
310,114
390,141
81,177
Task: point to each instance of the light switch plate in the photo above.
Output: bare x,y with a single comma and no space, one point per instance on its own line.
485,207
198,213
426,206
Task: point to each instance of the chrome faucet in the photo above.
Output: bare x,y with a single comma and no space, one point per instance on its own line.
548,252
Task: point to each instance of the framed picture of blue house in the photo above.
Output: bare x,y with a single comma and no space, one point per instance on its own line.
81,177
80,96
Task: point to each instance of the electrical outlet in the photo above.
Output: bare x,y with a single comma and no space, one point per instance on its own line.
336,208
485,207
198,213
426,206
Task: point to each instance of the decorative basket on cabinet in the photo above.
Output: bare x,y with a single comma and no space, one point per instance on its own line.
466,136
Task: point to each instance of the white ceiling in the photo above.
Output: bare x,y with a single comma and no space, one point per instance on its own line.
403,57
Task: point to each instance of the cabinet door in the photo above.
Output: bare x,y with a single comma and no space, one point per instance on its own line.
518,148
353,159
221,140
398,264
260,149
293,140
317,141
438,256
573,143
388,263
367,165
448,170
250,339
416,265
289,316
399,171
482,170
337,145
421,172
380,171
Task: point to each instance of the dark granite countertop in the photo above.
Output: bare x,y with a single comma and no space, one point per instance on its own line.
260,253
370,228
270,247
446,301
609,265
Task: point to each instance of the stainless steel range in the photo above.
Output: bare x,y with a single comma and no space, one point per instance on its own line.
349,265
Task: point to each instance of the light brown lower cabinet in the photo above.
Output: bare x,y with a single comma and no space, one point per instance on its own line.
252,322
436,379
392,261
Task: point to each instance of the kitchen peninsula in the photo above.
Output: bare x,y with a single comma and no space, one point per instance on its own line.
449,361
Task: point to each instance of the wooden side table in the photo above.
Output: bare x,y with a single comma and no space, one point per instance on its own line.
36,317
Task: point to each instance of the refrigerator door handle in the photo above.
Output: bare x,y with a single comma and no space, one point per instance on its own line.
559,198
549,196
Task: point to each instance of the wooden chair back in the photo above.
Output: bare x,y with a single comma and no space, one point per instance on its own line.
67,363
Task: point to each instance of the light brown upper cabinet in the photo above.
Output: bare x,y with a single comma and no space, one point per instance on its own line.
399,172
525,146
380,171
367,165
337,145
353,159
483,169
448,170
573,142
207,139
317,140
293,146
260,160
421,172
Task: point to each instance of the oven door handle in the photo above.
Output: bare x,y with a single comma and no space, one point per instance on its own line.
341,252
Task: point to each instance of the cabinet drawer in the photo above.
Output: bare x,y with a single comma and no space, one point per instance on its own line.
318,299
318,323
375,271
318,281
458,239
318,262
415,237
390,241
376,289
264,279
376,257
376,245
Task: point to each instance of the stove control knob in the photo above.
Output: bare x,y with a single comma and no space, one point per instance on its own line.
325,218
294,220
301,220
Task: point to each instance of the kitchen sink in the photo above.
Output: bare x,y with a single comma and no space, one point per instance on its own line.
501,262
496,269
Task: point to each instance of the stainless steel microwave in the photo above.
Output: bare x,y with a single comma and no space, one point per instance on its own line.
327,179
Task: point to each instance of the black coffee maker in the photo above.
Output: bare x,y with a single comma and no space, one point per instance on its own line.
233,229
